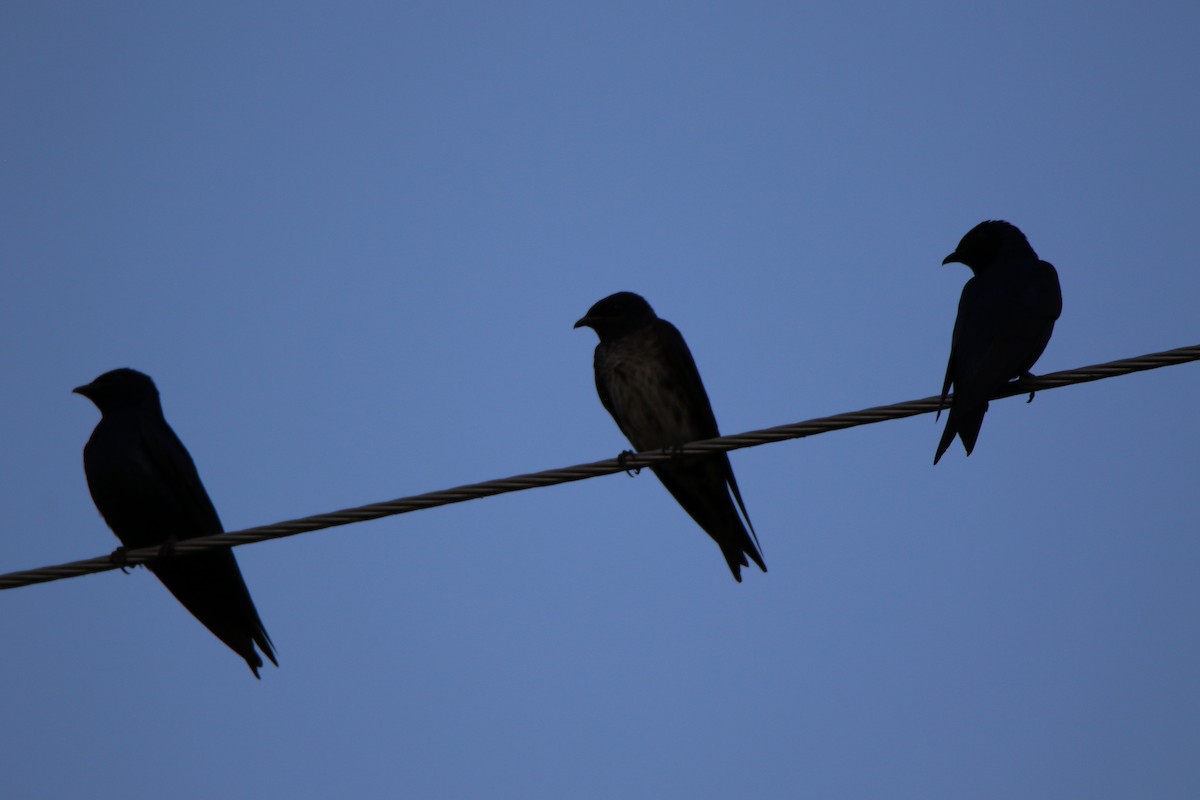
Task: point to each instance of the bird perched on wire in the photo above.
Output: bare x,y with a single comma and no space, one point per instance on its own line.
147,489
648,381
1005,318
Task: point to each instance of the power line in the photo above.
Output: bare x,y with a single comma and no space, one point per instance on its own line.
578,472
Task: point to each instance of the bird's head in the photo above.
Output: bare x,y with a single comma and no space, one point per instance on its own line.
989,242
617,315
120,389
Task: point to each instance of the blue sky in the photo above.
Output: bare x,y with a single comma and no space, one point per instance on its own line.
349,243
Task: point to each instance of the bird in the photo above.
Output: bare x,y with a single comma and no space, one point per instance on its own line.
148,491
1005,318
647,379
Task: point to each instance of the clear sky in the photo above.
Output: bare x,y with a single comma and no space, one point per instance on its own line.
349,240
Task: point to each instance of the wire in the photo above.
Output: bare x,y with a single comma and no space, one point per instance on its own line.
578,472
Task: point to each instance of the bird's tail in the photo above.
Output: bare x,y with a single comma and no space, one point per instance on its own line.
210,586
735,557
756,557
736,561
965,422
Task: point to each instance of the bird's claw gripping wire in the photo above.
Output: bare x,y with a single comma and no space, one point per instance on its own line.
623,459
1028,376
119,559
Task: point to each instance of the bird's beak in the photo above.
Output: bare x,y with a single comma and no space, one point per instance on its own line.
583,322
83,390
953,258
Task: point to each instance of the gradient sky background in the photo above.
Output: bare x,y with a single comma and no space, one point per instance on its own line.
349,242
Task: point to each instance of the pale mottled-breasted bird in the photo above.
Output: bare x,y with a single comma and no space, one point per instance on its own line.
648,381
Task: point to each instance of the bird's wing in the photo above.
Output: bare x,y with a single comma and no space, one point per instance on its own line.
209,584
180,480
946,383
679,358
1042,298
961,339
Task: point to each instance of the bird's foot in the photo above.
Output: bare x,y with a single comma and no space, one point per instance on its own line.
623,459
119,559
1028,376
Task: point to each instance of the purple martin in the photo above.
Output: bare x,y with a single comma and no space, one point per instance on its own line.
1005,318
648,381
147,489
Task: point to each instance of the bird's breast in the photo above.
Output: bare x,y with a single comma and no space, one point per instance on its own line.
647,396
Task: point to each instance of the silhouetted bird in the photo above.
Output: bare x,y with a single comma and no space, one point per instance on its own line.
1005,319
147,489
648,381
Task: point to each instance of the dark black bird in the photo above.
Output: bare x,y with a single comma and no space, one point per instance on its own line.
147,489
648,381
1005,319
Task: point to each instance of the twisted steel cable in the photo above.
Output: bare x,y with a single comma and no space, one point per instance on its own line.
533,480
